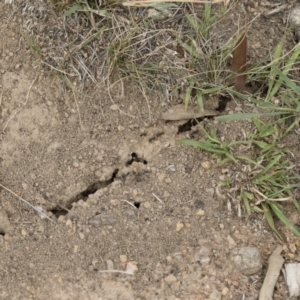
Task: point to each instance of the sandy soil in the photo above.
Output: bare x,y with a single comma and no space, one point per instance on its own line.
122,193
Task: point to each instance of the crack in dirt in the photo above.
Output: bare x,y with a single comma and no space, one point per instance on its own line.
223,100
91,189
129,165
95,186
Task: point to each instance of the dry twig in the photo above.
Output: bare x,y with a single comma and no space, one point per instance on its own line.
275,264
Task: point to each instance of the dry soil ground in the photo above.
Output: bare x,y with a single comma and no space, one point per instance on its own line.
114,163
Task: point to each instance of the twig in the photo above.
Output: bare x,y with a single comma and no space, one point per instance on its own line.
157,198
25,201
26,100
129,203
58,70
276,10
275,264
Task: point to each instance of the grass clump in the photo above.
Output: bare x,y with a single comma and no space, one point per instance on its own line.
267,180
165,48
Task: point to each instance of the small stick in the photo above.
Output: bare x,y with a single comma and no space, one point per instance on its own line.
58,70
157,198
129,203
276,10
25,201
275,264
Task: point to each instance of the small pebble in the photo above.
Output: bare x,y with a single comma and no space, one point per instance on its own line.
110,264
161,177
170,278
147,204
123,258
114,107
179,226
75,164
131,267
203,256
225,291
168,180
206,165
231,242
200,212
114,202
247,260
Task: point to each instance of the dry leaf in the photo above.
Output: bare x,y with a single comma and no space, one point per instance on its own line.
239,62
180,112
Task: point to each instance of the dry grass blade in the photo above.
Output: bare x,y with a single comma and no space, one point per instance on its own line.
151,2
180,112
239,62
25,201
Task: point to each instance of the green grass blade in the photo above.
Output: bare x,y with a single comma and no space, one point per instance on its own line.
270,220
200,100
275,208
235,117
203,145
246,197
271,164
207,13
288,81
295,202
193,22
192,51
73,9
211,90
272,75
249,160
286,70
188,95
